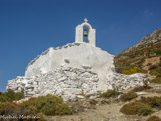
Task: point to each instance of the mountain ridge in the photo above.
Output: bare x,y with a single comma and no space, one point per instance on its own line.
146,55
148,39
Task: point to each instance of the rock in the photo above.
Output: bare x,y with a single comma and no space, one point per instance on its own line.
141,93
105,101
62,78
80,96
92,97
93,102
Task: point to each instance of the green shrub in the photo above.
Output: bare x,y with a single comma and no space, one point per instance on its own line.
156,80
30,104
52,105
134,108
48,105
132,71
56,109
109,93
47,100
153,118
149,64
154,102
145,112
11,96
19,96
156,74
128,96
159,74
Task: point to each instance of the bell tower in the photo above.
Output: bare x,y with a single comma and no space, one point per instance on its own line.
91,33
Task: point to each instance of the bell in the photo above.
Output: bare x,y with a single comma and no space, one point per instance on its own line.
85,33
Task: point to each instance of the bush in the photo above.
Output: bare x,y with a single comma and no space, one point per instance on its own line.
159,74
156,80
128,96
145,112
30,104
134,108
149,64
141,88
48,105
19,96
154,102
153,118
56,109
132,71
152,67
109,93
156,74
52,105
11,96
12,109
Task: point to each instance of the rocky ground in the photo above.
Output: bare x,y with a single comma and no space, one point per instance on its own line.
104,109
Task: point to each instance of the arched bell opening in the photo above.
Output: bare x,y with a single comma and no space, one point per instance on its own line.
85,34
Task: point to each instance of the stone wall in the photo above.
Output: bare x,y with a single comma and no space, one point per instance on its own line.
66,82
70,83
121,81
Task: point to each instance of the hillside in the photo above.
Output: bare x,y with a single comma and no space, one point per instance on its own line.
145,55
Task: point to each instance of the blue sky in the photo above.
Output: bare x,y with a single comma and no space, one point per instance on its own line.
29,27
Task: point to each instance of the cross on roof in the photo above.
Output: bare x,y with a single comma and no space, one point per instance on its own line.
86,20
